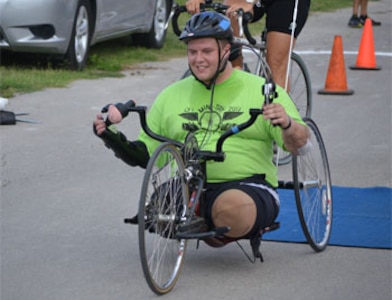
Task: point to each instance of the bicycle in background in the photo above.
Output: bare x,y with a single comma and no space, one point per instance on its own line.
254,51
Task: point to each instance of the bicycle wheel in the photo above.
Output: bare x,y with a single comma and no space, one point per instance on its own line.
301,93
300,86
313,192
163,205
281,157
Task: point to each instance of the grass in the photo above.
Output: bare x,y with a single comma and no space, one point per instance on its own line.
329,5
24,74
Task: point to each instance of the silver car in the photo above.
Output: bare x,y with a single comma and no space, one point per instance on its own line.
69,27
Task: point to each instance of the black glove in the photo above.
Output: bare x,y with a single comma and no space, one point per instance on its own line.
123,109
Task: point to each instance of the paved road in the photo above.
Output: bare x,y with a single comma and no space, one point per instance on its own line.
63,195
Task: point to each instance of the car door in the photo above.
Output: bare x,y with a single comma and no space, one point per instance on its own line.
120,17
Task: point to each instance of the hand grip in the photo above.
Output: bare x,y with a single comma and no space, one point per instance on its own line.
123,108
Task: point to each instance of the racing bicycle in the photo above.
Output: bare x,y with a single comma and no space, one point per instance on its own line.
299,78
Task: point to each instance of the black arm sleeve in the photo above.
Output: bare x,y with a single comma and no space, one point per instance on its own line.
133,153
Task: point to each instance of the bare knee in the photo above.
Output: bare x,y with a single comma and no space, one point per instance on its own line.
236,209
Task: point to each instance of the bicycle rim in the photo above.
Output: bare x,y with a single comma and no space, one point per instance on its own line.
313,191
301,94
281,157
163,204
300,86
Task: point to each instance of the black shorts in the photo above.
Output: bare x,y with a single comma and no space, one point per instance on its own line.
280,14
279,18
264,196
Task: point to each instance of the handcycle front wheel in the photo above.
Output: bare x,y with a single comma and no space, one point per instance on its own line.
163,204
313,190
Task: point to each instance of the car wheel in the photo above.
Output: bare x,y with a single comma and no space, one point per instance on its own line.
77,54
155,38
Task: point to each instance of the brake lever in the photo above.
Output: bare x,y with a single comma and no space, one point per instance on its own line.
269,92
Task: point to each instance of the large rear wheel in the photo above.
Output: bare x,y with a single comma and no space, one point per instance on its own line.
313,190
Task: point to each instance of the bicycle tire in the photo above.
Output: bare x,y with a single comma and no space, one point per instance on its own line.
283,157
301,94
313,190
163,204
300,86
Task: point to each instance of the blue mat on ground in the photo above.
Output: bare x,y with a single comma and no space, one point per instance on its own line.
361,218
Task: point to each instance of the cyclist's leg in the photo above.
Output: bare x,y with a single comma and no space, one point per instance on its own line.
279,25
278,47
236,57
239,205
247,206
235,209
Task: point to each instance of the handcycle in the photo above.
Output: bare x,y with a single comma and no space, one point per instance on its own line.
300,89
173,185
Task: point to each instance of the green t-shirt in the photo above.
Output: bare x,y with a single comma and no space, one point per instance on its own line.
186,104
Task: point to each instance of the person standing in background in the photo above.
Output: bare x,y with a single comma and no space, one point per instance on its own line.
279,24
359,16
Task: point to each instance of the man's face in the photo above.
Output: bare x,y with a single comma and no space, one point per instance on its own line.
203,58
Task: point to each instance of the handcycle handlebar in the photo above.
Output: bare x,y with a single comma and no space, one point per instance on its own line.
244,18
254,113
218,155
130,106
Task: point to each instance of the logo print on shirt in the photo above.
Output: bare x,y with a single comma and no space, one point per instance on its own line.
212,120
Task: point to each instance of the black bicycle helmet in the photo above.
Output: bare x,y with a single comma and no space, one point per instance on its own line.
207,24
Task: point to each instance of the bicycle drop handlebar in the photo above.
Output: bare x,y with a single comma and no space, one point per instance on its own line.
218,155
244,17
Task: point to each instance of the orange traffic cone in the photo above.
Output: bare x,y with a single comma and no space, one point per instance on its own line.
336,83
366,59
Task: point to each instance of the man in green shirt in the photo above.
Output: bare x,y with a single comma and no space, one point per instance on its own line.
240,192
